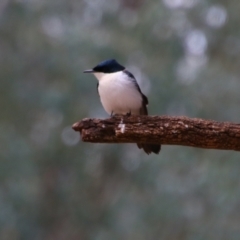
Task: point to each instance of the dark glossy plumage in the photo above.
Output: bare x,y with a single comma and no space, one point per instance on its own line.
108,66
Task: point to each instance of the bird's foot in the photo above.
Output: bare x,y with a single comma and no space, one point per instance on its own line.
128,114
112,114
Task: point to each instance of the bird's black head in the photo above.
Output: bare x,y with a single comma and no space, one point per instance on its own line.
108,66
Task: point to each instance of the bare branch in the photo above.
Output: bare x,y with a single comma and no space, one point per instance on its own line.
167,130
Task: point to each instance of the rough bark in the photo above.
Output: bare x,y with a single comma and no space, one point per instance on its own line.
166,130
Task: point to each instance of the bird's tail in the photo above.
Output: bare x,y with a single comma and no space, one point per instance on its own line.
149,148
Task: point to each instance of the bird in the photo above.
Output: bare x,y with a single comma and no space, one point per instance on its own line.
120,94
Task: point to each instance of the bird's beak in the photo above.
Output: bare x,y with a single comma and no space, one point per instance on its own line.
89,71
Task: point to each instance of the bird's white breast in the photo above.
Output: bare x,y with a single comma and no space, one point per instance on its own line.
118,93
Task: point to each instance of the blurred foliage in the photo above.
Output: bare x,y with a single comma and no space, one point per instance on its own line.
185,55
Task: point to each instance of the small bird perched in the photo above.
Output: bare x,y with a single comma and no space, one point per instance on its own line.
120,94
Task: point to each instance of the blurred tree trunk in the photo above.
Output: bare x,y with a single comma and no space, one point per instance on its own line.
164,130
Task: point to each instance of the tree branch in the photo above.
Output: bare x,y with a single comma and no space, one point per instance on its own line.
167,130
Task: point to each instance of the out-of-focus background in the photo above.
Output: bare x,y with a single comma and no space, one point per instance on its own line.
185,55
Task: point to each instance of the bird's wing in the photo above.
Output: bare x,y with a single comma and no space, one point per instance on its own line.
145,99
143,110
130,75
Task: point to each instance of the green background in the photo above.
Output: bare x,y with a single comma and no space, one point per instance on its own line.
185,55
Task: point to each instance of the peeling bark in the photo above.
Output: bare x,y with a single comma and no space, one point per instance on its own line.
163,130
